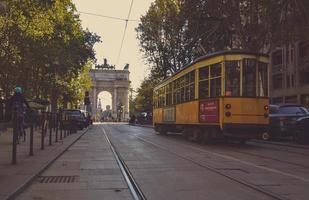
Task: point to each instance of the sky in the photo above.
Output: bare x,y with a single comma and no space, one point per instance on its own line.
111,32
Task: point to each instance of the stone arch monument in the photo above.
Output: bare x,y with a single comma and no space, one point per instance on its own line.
117,83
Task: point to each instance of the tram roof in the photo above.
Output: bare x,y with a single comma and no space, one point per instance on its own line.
210,55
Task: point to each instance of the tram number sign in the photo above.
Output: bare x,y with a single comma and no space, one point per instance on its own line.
209,111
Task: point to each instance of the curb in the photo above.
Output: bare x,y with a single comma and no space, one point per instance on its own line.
28,182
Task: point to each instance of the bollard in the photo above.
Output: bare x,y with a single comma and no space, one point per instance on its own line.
50,126
61,125
56,125
23,131
65,130
15,136
43,131
31,140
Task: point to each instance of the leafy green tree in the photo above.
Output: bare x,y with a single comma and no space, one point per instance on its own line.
43,48
161,37
144,99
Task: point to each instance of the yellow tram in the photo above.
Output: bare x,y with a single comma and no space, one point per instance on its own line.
224,94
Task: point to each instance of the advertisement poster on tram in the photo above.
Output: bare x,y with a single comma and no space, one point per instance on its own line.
209,111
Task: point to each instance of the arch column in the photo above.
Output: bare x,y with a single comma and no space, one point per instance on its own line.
94,101
115,102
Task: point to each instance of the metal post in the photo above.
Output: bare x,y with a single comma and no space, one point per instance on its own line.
43,131
23,130
61,125
31,140
15,136
50,128
65,130
56,125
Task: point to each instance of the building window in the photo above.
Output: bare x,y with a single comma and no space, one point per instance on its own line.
304,50
288,85
304,74
277,100
277,81
305,100
232,78
290,99
277,57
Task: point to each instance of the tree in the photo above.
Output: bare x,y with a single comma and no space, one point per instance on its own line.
144,99
43,48
161,37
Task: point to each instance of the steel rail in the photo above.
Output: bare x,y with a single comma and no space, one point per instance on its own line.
265,192
280,144
240,181
132,184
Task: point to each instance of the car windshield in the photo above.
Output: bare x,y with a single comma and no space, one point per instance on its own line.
293,110
73,112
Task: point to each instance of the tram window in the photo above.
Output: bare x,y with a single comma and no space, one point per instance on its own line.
215,87
203,89
191,91
192,77
262,79
215,70
232,78
249,77
204,73
182,95
178,96
187,94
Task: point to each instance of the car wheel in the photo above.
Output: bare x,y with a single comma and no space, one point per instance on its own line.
266,136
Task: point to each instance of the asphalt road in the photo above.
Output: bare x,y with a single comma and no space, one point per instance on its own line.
168,167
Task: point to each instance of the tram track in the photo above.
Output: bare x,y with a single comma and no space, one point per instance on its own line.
214,170
274,146
228,156
135,190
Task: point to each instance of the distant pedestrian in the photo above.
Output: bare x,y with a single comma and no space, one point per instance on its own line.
18,103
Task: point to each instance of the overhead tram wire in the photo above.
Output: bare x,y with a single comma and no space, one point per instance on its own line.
108,17
124,32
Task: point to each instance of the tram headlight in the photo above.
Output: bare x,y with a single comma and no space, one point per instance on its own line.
228,114
266,107
228,106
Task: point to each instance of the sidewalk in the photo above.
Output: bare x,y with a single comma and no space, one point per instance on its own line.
87,171
15,177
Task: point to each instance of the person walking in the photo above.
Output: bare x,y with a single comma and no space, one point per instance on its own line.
18,103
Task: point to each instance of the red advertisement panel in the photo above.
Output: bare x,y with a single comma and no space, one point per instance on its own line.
209,111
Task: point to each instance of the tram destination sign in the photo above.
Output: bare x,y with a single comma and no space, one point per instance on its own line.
209,111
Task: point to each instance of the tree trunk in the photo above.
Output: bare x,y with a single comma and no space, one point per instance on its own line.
53,101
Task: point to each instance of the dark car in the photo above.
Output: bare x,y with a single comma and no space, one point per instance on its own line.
301,133
75,118
283,120
88,120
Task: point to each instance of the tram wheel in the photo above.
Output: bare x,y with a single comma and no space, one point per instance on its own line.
266,136
242,141
196,135
162,130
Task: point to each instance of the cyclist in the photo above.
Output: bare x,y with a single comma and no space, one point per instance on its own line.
18,103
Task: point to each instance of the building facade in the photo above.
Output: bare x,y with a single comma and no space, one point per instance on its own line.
289,74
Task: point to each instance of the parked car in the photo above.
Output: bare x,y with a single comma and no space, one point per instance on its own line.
76,119
283,120
88,120
301,133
